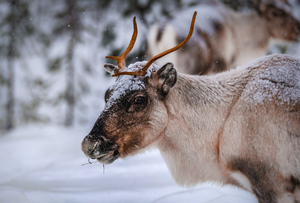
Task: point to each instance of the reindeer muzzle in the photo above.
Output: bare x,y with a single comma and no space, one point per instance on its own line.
100,148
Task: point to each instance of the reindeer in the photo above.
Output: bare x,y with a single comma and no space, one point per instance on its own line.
223,38
239,127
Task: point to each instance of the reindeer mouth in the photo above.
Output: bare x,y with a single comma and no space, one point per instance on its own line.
101,149
109,157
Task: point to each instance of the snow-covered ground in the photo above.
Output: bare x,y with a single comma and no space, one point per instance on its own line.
43,163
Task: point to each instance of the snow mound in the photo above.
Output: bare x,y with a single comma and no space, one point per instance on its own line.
209,193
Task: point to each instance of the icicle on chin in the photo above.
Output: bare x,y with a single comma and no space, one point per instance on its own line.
89,162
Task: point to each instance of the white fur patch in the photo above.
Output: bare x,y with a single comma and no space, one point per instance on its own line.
242,180
286,198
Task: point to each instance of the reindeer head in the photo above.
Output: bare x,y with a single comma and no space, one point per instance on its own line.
134,115
281,24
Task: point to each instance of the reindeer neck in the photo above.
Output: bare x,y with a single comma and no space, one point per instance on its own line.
204,95
198,107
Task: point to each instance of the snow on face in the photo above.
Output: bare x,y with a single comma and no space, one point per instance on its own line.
128,83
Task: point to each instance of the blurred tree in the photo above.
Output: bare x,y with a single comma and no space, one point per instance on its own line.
15,27
146,11
69,23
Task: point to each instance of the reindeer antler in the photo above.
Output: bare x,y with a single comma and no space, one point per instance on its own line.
143,71
121,59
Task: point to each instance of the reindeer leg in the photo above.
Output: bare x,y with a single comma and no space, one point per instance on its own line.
260,175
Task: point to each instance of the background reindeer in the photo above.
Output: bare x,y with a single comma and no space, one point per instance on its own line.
223,38
240,127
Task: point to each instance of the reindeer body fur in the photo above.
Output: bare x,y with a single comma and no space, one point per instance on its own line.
217,132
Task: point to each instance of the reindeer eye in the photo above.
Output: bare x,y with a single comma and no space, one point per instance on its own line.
275,14
138,103
139,100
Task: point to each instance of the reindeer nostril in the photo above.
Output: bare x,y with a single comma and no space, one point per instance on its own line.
85,145
116,152
95,147
89,144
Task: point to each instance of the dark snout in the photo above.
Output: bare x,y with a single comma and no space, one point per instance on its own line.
100,148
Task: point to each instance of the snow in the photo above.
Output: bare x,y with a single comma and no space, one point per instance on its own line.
277,80
125,83
43,163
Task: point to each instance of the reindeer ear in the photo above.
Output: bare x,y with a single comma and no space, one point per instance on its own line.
167,77
112,69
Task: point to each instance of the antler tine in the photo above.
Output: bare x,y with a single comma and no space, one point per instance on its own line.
121,59
143,71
